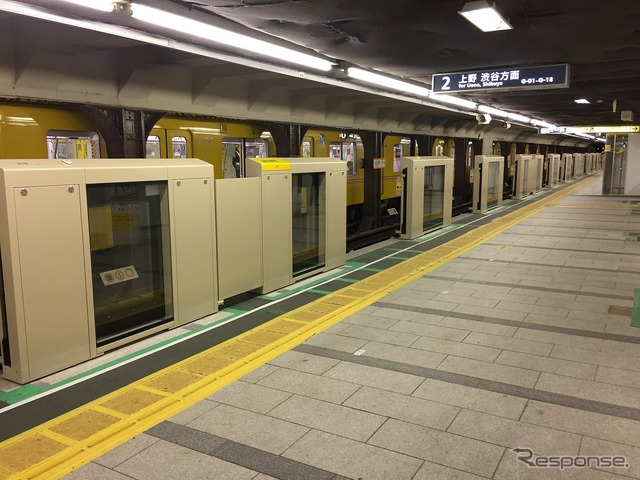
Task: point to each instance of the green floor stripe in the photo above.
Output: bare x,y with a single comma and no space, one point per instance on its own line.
347,280
406,251
320,292
29,390
635,314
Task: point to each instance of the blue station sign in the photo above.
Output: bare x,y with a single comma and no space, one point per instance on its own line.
547,76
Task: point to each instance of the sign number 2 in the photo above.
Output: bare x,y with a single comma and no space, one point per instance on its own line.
445,85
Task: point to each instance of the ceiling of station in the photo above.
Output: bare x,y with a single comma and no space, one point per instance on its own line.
411,39
417,38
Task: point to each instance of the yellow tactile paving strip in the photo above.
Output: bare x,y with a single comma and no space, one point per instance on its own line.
59,446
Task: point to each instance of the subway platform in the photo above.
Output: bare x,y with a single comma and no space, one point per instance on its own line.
506,347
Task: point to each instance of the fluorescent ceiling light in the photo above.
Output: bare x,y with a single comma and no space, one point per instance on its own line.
586,135
518,118
388,82
483,16
460,102
102,5
492,111
227,37
581,100
541,123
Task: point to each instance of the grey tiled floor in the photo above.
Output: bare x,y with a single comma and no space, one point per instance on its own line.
511,345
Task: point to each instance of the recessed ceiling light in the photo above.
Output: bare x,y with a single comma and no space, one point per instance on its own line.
581,100
483,16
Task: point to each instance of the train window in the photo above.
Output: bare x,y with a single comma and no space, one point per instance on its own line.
68,144
153,146
349,156
235,152
232,163
438,148
307,150
335,150
256,148
179,147
398,153
347,152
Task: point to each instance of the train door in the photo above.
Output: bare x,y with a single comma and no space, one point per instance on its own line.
165,143
510,172
307,147
438,149
256,148
153,147
66,144
180,147
347,152
469,166
451,148
156,146
469,161
398,153
232,158
335,150
179,144
235,152
349,156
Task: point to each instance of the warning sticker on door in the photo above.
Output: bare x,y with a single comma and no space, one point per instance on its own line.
119,275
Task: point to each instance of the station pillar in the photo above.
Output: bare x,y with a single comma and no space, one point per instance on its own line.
422,142
372,143
288,138
124,131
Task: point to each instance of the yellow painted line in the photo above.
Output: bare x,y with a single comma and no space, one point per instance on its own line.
63,444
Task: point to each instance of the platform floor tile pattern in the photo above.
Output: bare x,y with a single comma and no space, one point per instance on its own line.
525,341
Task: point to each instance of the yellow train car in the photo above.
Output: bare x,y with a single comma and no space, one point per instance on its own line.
225,145
348,146
395,147
37,131
323,142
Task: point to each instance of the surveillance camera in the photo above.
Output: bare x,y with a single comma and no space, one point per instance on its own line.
506,125
483,118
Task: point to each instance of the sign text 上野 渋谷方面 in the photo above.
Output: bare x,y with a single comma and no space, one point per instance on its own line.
548,76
